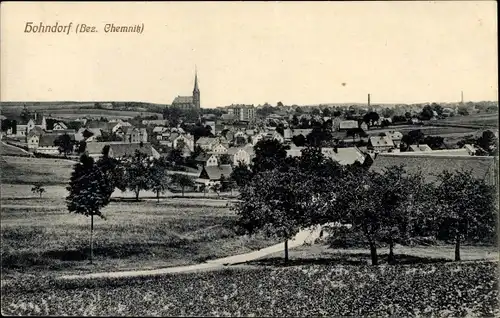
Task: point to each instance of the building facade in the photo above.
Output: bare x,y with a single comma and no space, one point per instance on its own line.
189,102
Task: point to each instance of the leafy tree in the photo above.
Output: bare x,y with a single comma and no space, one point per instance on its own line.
408,115
327,112
113,171
337,113
315,111
64,144
87,192
159,177
173,115
137,173
437,108
279,104
225,159
82,146
299,110
269,154
274,202
299,140
25,114
304,123
388,112
318,136
38,189
280,129
465,205
398,192
217,188
371,118
295,121
182,180
241,174
240,141
488,142
426,113
175,156
413,137
435,142
359,200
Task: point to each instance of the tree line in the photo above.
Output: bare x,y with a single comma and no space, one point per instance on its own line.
281,195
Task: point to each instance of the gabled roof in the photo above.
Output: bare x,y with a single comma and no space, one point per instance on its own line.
128,149
97,124
304,132
380,141
35,131
344,156
159,129
420,148
47,140
395,135
60,123
206,140
431,165
214,172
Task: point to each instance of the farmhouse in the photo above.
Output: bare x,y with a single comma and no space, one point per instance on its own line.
33,140
46,144
242,154
380,143
206,143
219,149
430,165
396,137
206,160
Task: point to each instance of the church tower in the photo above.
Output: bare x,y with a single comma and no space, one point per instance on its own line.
196,91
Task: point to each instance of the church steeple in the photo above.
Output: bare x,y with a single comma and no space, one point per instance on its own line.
196,90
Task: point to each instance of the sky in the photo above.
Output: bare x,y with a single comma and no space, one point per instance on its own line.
253,52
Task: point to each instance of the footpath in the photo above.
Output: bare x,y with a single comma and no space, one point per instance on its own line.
302,237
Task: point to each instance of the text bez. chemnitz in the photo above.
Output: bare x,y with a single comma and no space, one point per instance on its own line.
32,27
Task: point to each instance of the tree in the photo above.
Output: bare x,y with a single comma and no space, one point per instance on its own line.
337,113
315,111
64,144
175,156
137,173
240,140
427,113
371,118
217,188
159,178
274,202
38,189
241,174
388,112
87,192
173,115
359,200
82,146
413,137
437,108
279,104
488,141
113,171
299,140
435,142
269,154
318,136
225,159
465,205
327,112
182,180
295,121
398,192
25,114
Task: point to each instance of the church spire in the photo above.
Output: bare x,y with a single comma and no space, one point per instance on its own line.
196,89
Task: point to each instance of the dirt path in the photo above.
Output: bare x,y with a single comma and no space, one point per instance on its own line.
299,239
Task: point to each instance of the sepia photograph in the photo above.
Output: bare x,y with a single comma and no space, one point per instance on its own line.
249,159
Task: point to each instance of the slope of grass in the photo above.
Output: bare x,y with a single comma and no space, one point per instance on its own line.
135,235
20,170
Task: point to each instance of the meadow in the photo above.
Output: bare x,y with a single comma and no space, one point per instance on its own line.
25,170
436,289
40,236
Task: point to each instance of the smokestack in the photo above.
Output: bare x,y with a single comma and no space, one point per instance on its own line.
368,100
462,94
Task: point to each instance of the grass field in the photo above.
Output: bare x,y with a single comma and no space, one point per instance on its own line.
22,170
45,238
480,120
436,290
8,150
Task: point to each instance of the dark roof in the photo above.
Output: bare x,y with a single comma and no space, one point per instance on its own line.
431,166
202,157
97,124
214,172
47,140
123,149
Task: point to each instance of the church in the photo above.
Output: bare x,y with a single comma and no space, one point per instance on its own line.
189,102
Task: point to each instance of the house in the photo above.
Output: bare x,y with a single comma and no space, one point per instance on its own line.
430,166
119,149
186,139
59,126
33,140
363,126
214,173
419,148
242,154
345,125
396,137
207,160
460,152
132,134
88,134
206,143
219,149
380,144
267,135
343,156
303,132
46,144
